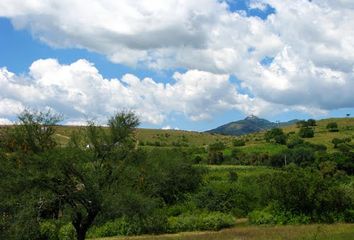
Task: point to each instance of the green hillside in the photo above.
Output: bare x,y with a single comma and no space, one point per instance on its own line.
254,142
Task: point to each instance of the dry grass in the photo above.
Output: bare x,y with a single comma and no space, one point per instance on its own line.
300,232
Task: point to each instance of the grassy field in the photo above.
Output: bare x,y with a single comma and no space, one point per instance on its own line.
295,232
254,142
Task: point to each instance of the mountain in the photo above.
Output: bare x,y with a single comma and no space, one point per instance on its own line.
248,125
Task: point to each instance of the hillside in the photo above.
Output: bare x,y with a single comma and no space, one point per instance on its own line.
250,124
254,142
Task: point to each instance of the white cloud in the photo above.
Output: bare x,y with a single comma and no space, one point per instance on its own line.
198,34
80,92
5,121
312,43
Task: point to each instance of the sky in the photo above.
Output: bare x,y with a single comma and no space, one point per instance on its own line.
177,64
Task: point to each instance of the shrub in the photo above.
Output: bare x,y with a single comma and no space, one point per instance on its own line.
202,221
197,159
277,135
294,141
337,141
332,127
311,122
261,217
217,146
118,227
238,142
306,132
67,232
349,216
215,157
233,176
48,230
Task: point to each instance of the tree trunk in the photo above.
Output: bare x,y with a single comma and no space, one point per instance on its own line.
81,234
82,224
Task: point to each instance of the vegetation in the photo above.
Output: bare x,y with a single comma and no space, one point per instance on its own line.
65,183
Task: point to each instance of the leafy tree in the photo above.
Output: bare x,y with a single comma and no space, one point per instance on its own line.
83,182
311,122
332,127
302,123
277,135
306,132
34,132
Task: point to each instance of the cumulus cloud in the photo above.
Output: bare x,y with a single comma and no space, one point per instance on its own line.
5,121
80,92
308,45
198,34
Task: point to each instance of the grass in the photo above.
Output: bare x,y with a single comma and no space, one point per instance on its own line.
255,143
293,232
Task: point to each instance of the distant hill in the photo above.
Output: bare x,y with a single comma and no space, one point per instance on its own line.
250,124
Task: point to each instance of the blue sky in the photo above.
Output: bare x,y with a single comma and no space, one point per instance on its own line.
198,70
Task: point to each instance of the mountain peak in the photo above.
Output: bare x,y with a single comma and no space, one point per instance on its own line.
250,124
251,117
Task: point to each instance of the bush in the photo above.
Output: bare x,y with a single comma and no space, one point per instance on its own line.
238,142
268,216
215,157
277,135
306,132
198,222
311,122
118,227
337,141
67,232
332,127
261,217
48,230
233,176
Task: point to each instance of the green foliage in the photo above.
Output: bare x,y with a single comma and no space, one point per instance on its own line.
49,230
277,135
33,134
238,142
67,232
298,192
121,127
233,176
217,146
332,127
198,222
77,180
337,141
215,157
168,174
118,227
311,122
272,216
294,141
306,132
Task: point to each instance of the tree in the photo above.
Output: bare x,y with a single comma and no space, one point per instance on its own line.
34,132
332,127
311,122
81,181
277,135
306,132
